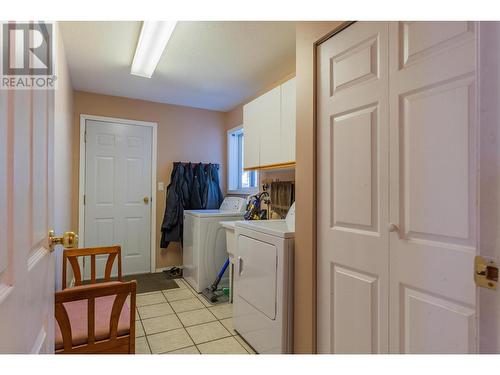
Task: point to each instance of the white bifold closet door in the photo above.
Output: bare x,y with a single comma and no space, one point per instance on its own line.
397,188
433,197
353,207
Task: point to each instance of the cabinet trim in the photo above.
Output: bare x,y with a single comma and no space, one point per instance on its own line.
288,164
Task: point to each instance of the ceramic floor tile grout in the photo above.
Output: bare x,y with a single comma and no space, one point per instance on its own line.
185,327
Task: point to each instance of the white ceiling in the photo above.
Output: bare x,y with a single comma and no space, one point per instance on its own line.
212,65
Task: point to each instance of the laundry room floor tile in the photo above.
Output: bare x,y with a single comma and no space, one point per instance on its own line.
188,350
181,321
222,311
161,324
181,283
139,331
178,294
150,299
142,346
170,340
204,301
227,345
193,317
207,332
186,305
228,323
153,311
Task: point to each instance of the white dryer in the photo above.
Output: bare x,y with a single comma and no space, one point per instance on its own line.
204,248
263,283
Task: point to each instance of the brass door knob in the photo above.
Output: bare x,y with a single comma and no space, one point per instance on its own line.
68,240
146,200
393,227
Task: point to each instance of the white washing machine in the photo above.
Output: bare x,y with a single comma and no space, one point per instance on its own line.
263,283
204,248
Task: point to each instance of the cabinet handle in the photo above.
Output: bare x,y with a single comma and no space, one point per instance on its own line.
240,266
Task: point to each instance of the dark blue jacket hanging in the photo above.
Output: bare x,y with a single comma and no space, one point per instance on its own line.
199,183
171,228
189,188
212,195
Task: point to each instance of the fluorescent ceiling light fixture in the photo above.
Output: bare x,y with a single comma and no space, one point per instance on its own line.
152,42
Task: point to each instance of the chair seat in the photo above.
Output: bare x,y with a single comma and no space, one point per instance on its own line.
77,314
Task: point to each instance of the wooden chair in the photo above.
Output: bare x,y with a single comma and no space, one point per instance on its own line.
95,318
72,255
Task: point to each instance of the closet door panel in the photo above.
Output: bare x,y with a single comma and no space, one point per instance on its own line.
353,248
433,187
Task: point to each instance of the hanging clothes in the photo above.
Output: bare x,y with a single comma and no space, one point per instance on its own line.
171,227
197,187
215,181
212,193
189,188
189,176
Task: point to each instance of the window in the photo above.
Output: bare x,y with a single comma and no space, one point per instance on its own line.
239,181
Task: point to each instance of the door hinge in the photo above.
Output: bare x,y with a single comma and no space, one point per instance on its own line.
84,198
485,273
85,136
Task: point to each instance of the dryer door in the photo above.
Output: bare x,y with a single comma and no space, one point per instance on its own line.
256,266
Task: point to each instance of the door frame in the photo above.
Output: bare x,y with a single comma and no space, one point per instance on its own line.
81,179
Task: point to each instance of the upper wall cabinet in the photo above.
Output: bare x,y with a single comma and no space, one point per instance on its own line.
269,128
288,114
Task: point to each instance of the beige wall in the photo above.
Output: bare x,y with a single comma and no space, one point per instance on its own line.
63,151
184,134
307,35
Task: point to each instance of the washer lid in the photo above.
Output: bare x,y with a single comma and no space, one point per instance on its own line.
213,213
278,228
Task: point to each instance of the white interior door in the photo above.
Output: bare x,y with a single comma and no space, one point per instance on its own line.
118,192
27,282
433,195
352,139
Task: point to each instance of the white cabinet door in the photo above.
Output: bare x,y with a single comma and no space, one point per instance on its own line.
269,117
288,100
251,135
27,281
433,194
353,166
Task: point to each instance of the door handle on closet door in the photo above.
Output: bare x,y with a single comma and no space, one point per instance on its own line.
393,227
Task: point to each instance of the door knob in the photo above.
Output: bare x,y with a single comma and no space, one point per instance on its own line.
146,200
68,240
393,227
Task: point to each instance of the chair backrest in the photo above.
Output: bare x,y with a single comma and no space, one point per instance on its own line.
72,255
112,344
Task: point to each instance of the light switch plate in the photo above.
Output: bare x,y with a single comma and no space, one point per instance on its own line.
161,186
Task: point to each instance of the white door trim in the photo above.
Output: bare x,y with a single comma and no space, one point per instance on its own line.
81,190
